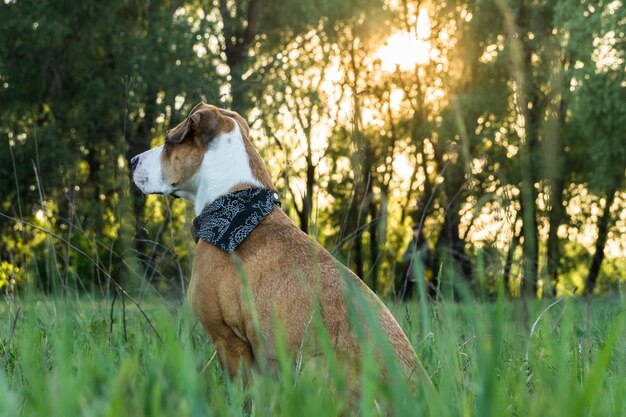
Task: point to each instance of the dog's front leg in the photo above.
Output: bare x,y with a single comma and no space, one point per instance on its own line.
236,356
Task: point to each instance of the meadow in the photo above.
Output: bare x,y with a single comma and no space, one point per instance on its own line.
95,357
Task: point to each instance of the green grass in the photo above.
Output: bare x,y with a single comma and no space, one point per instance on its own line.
61,358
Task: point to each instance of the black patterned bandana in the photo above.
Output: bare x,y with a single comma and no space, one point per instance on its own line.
228,221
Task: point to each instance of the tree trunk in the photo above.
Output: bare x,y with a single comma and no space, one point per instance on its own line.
506,276
95,212
240,100
555,218
237,41
530,246
531,108
358,255
307,201
598,256
374,228
374,250
451,247
554,172
528,197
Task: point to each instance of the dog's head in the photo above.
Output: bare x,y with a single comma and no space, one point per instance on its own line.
205,156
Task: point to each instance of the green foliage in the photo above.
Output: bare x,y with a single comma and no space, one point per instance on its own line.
84,87
501,139
596,46
8,275
59,357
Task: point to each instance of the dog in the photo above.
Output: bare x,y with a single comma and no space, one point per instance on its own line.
209,159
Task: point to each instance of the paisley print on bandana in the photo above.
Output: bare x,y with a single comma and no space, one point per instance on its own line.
228,221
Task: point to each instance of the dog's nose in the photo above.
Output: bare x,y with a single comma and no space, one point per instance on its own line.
133,162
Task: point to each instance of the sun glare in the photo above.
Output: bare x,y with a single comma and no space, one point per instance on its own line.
405,50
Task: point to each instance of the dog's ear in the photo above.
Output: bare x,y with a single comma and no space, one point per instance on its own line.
179,133
207,123
195,119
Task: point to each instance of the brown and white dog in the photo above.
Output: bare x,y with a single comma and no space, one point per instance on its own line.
208,156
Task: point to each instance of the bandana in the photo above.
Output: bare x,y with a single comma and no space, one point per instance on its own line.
228,221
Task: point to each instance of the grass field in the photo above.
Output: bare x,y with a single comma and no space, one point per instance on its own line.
63,357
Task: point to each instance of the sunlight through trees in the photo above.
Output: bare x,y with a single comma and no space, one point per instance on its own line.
495,129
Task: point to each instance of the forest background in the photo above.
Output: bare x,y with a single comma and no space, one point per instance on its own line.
494,129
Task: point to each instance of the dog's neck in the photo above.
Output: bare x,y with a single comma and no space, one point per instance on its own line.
230,219
226,167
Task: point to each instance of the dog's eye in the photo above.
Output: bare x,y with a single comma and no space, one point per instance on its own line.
166,143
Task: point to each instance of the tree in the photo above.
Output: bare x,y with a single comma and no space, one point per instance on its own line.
79,99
